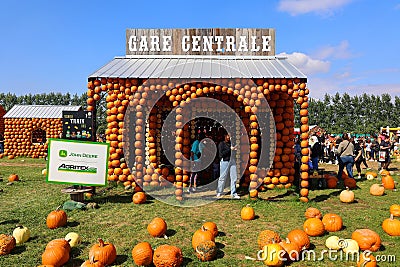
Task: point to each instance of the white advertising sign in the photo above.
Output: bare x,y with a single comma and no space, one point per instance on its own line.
77,162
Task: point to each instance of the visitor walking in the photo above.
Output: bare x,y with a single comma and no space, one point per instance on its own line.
345,154
195,154
315,152
383,154
226,153
359,151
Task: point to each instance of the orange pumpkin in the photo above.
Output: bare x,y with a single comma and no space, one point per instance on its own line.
166,255
367,239
139,198
388,182
332,222
142,254
395,210
157,227
292,250
7,243
247,213
56,219
104,252
267,237
391,226
377,190
367,261
300,238
200,236
13,178
313,213
314,227
212,227
92,263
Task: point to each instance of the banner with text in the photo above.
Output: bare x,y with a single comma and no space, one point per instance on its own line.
77,162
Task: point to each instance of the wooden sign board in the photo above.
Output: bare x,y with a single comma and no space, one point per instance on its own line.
77,162
215,41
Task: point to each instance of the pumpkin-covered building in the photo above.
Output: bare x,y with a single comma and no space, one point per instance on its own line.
27,128
2,112
166,71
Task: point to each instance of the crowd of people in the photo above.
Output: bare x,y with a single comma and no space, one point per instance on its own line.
347,151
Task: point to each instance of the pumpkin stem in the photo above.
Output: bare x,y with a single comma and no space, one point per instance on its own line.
347,188
101,242
391,217
20,226
92,260
58,208
165,236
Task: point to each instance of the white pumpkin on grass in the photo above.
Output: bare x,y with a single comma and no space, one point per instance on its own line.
332,242
21,234
73,239
349,246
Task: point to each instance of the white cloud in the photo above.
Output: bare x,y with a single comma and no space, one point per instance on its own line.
340,51
307,64
298,7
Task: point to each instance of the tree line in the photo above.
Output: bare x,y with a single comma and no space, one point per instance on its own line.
338,113
363,114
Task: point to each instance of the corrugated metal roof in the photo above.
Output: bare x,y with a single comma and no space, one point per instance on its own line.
39,111
198,67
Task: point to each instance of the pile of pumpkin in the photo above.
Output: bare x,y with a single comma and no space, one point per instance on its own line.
332,181
276,252
18,135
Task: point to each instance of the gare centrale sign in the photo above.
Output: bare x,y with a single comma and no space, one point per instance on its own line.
237,42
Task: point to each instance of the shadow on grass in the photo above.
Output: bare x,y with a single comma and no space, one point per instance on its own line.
120,259
219,245
281,196
220,254
186,261
18,250
13,221
114,199
170,232
73,224
324,197
221,233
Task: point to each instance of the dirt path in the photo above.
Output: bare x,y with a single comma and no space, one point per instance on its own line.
22,164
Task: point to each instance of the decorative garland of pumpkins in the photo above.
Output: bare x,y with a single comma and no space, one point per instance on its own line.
280,94
18,136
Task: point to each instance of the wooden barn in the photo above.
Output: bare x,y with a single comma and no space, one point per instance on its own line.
237,67
27,128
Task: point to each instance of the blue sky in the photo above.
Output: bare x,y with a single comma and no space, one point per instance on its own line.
341,45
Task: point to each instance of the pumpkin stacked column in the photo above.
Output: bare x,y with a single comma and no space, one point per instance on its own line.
179,137
302,100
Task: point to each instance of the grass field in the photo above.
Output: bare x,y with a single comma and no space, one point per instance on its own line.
123,223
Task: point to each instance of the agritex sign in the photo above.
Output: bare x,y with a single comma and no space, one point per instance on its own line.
75,162
244,42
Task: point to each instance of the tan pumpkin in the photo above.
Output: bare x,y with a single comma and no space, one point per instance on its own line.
7,243
56,219
142,254
377,190
157,227
212,227
367,239
267,237
371,175
314,227
395,210
166,255
105,252
201,235
206,250
347,196
313,213
271,255
332,222
391,226
247,213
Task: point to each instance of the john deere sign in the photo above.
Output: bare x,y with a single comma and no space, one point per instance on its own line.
77,162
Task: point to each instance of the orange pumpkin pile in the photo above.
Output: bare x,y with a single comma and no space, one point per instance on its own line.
2,113
18,135
243,95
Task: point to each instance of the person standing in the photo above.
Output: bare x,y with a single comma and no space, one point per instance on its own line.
359,151
195,154
226,153
383,154
315,151
345,153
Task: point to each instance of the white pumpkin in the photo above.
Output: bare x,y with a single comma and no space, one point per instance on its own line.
332,242
21,234
73,239
349,246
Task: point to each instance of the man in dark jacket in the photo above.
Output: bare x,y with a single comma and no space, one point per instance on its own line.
226,153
